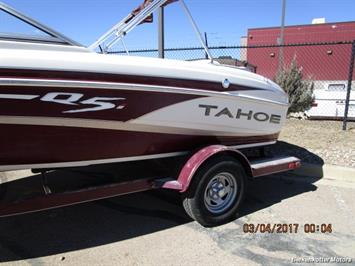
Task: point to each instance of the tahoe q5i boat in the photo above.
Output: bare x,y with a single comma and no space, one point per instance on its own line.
63,105
66,106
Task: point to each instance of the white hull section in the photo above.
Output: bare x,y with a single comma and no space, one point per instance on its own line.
15,55
219,116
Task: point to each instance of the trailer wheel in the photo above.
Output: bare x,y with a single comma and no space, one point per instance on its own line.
216,191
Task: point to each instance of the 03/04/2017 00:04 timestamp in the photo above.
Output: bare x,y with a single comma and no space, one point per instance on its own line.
287,228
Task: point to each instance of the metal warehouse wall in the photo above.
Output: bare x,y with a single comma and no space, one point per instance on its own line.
316,61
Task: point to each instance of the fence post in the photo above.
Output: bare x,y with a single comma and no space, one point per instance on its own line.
350,79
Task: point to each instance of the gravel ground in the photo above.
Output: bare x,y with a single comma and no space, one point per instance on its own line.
318,142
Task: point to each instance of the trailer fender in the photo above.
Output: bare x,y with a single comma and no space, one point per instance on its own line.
197,159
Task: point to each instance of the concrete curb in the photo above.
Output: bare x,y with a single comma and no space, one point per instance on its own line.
326,171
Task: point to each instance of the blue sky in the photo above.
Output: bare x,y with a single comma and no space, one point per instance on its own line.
225,21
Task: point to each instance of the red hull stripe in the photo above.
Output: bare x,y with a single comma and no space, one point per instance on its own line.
24,144
136,103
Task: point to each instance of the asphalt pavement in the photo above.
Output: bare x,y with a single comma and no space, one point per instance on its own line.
151,228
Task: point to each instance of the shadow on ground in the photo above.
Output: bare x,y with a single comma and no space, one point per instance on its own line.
285,148
107,221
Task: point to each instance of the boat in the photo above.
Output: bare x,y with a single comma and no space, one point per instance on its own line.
66,105
91,123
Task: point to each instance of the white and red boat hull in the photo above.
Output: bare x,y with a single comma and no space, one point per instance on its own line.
57,111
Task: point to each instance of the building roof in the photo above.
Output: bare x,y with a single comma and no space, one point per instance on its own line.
308,33
305,25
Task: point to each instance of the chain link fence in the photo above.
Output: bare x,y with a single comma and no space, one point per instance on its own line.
326,65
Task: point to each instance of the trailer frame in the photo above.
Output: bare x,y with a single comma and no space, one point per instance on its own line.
180,182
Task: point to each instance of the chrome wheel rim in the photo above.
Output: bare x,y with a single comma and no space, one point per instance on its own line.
220,193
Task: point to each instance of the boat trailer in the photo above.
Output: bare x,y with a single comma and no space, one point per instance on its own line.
212,182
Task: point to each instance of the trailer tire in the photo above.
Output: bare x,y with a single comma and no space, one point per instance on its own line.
216,191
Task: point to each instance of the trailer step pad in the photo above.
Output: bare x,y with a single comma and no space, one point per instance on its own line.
273,165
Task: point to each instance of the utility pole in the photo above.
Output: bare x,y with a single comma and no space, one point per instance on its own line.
206,42
281,41
161,32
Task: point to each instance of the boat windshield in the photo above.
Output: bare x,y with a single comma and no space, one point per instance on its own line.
18,27
11,27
